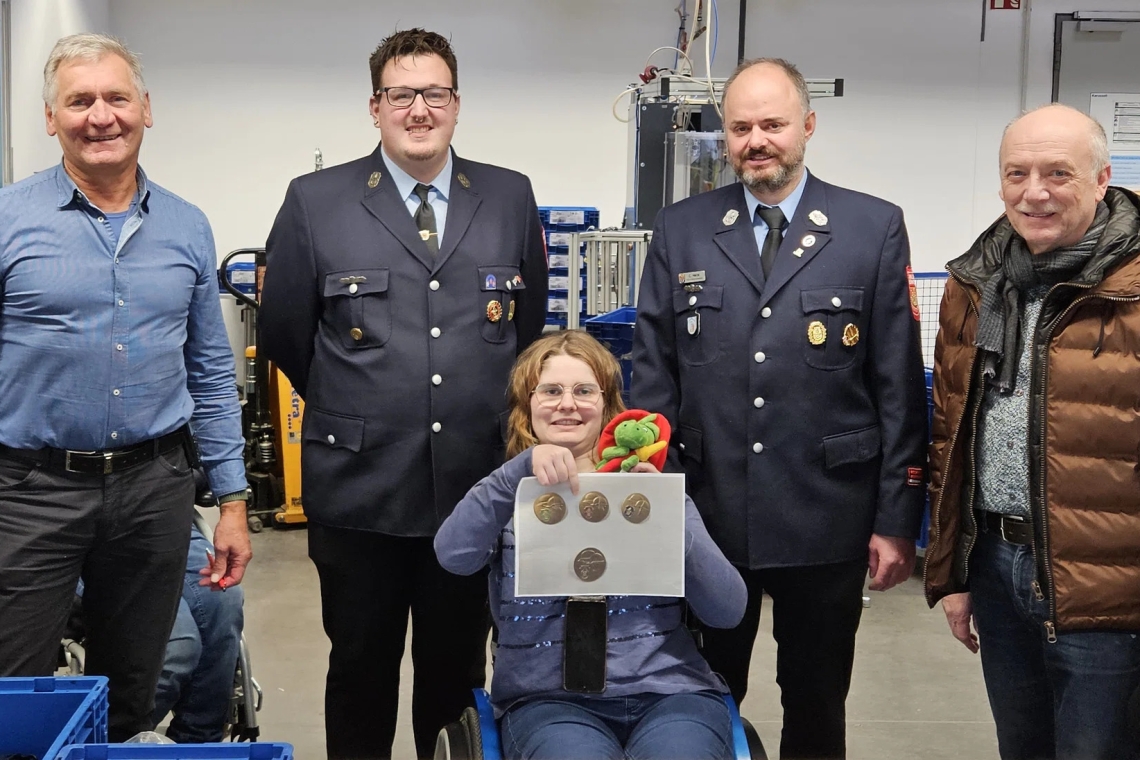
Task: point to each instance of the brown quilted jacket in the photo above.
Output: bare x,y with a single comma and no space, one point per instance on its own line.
1084,430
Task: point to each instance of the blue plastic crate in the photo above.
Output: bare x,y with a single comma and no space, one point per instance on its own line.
229,751
924,533
568,218
614,330
40,716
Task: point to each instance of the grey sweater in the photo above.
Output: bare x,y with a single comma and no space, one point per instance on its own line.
649,650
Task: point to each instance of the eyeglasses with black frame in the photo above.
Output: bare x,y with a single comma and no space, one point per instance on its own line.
403,97
550,394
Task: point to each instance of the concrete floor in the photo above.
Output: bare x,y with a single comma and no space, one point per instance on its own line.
916,692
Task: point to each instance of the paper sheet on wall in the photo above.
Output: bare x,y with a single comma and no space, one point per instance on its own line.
628,557
1119,114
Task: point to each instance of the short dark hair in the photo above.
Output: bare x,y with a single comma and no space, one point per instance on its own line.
412,42
786,66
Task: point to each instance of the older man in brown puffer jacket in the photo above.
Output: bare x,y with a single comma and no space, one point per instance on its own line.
1035,460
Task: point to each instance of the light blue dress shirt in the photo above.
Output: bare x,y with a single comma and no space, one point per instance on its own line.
111,339
788,206
437,197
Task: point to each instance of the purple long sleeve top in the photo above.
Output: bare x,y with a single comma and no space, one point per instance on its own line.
649,650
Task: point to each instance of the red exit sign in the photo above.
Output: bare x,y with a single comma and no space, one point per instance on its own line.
1005,5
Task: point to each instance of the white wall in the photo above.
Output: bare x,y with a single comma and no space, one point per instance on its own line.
36,25
244,92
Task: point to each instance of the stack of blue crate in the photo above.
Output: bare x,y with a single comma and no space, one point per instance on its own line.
559,223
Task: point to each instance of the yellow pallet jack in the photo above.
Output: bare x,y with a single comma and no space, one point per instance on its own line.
272,411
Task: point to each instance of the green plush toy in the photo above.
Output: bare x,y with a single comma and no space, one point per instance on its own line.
632,441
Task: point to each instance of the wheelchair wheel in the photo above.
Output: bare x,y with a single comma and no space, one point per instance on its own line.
461,740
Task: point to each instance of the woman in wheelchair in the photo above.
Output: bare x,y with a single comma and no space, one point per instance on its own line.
654,696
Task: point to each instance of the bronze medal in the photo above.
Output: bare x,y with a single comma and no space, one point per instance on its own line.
494,311
589,565
549,508
850,335
635,508
594,507
817,333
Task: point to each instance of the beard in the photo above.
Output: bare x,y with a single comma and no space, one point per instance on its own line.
775,178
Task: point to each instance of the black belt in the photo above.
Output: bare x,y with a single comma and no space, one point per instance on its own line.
1015,530
100,462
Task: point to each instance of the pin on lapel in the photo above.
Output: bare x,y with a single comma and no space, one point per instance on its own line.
463,180
798,252
808,241
818,218
731,216
374,179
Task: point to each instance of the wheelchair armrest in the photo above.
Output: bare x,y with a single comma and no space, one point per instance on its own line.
746,744
488,726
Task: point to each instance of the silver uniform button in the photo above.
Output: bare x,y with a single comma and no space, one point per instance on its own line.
435,333
836,302
353,288
436,379
760,357
692,300
757,447
766,312
436,427
434,284
332,439
758,402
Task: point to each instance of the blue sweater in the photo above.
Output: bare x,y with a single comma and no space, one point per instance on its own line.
649,650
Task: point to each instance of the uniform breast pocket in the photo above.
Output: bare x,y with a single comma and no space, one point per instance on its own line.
500,287
833,319
698,318
360,309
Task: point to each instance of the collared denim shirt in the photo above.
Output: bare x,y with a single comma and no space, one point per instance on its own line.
103,346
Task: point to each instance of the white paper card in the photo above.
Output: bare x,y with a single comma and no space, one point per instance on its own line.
641,559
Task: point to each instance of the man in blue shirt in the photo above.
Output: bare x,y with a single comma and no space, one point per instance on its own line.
112,353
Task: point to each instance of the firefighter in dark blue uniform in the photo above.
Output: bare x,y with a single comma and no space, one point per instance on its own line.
400,288
776,326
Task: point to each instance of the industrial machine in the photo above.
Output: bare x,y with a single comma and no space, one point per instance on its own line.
676,140
272,411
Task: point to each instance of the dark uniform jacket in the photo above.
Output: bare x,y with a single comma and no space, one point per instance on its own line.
402,357
800,402
1084,429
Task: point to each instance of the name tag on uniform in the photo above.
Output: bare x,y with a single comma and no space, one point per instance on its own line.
686,278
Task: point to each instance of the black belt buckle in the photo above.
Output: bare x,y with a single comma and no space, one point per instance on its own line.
1002,520
67,461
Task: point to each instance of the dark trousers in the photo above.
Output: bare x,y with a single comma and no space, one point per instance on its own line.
125,534
369,581
815,613
1068,699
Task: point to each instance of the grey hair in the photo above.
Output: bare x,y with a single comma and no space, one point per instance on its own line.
88,47
786,66
1098,140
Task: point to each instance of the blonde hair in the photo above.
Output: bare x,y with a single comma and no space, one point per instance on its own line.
528,367
87,47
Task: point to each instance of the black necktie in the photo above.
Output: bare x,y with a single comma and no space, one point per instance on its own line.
425,219
774,218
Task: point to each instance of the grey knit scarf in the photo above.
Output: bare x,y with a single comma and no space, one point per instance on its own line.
999,322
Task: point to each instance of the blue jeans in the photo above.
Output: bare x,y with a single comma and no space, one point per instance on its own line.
198,673
1066,700
694,726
